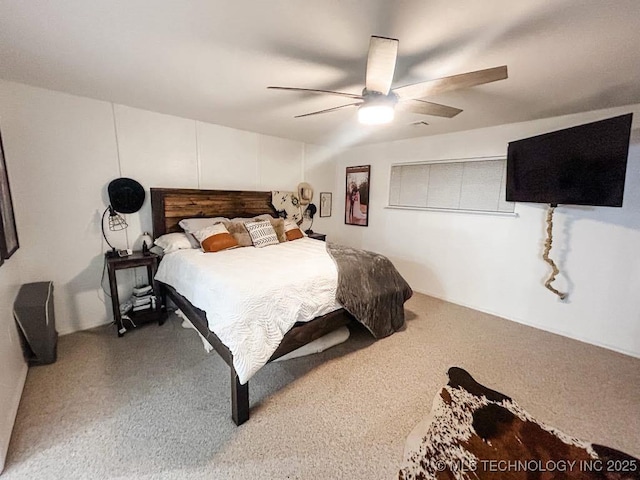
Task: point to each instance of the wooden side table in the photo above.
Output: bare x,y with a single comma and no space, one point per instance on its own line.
318,236
137,259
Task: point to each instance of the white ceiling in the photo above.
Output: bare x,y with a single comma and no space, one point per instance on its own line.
212,59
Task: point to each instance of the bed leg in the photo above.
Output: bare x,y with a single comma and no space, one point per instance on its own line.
163,304
239,399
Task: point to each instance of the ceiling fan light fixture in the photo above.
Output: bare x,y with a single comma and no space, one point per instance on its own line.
375,114
378,100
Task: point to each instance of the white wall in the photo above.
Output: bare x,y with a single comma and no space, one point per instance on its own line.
492,263
13,369
62,151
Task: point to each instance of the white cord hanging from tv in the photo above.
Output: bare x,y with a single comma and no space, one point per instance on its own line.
547,249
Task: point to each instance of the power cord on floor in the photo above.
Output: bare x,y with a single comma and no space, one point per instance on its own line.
104,269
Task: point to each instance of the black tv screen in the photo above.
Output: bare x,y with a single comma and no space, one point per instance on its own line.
582,165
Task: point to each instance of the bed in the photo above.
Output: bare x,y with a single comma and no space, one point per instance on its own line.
169,206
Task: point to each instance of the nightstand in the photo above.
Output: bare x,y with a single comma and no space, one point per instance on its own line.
137,259
317,236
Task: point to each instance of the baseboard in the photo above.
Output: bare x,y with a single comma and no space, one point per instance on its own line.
537,326
5,431
64,330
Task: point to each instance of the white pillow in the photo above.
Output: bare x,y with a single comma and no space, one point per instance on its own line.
262,233
194,243
191,225
172,242
157,250
206,232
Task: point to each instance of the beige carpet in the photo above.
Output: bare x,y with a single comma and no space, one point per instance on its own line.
154,405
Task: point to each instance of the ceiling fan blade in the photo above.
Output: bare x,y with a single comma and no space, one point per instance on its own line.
313,90
327,110
454,82
428,108
381,64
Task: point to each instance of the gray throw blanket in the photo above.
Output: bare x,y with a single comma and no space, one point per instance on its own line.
370,288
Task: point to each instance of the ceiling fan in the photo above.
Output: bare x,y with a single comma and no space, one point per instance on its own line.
378,101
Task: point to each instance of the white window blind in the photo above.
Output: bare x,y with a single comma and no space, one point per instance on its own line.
465,184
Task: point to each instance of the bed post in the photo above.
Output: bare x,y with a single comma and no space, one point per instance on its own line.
239,399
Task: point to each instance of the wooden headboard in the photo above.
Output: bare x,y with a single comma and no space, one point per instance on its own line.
170,205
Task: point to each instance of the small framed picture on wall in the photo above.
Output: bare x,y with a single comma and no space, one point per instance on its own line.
325,204
356,211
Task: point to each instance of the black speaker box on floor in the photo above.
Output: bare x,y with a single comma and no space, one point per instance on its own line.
33,312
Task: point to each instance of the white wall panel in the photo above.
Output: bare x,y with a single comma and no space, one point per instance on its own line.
158,151
14,369
279,163
228,158
320,172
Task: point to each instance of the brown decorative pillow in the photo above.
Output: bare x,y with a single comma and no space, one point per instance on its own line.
239,233
215,238
294,234
292,231
278,226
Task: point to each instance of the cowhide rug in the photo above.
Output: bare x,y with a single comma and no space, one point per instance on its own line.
474,432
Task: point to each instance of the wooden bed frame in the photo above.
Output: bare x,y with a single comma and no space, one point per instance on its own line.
169,206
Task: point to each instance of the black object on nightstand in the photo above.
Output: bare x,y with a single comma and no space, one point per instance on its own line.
317,236
136,259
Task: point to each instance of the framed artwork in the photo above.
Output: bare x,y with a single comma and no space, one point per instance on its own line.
8,233
325,204
356,208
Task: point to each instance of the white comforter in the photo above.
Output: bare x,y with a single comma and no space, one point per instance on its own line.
253,296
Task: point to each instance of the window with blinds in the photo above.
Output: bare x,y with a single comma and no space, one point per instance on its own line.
464,185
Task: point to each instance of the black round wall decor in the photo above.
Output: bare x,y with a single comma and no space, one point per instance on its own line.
125,195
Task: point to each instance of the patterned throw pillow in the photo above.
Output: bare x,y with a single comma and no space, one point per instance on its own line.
262,233
292,231
215,238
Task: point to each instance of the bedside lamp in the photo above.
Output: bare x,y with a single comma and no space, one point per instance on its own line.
125,196
116,221
147,242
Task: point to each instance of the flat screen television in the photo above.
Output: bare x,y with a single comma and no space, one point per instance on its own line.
583,165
